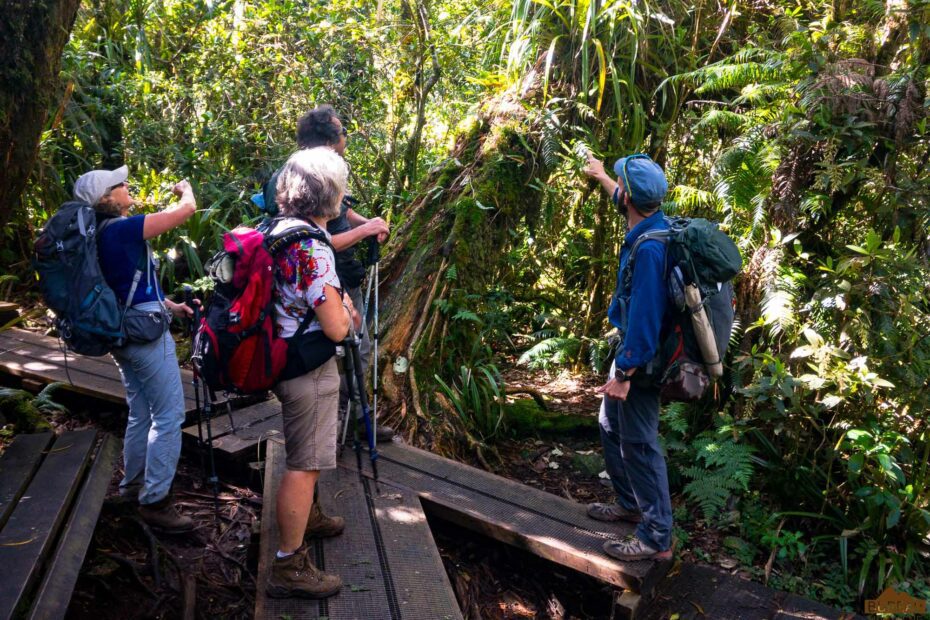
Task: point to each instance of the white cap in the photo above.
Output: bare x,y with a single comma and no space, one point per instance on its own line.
91,186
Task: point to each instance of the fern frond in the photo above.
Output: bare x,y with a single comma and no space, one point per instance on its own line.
722,119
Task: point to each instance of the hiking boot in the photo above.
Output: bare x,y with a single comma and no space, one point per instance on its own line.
296,576
129,494
613,512
164,516
632,548
321,526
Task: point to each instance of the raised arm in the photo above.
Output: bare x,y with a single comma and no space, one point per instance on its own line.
175,215
595,170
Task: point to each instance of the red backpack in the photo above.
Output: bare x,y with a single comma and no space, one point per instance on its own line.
236,345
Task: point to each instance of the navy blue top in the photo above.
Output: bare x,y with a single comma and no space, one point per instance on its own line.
647,300
120,250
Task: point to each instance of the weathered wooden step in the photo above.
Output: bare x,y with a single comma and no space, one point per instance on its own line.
30,533
240,437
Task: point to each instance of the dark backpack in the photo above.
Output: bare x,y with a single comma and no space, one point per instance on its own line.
236,346
701,261
88,315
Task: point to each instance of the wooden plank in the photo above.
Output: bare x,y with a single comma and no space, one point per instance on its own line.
242,418
18,464
54,594
420,581
268,543
248,443
34,356
354,554
25,363
387,558
26,540
539,522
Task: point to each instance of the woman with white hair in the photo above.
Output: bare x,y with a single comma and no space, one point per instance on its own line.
313,314
147,363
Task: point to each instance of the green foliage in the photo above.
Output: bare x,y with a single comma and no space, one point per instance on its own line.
551,351
477,399
722,468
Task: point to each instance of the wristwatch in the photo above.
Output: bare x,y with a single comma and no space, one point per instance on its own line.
621,376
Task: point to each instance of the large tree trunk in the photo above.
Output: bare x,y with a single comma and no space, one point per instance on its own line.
448,247
33,34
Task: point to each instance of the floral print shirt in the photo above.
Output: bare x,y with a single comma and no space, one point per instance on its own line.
300,275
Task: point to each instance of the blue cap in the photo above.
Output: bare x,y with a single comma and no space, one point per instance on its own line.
643,179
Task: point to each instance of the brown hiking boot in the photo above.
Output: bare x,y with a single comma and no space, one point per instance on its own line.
321,526
164,516
296,576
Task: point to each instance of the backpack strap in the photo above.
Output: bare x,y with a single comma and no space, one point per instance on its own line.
102,223
662,236
277,243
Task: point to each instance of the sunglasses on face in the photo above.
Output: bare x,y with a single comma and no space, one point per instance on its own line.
344,132
118,185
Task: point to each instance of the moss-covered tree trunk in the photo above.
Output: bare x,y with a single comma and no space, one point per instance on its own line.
449,244
33,34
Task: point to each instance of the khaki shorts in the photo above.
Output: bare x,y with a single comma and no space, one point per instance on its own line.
309,406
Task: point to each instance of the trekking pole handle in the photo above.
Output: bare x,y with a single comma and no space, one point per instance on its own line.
189,301
374,250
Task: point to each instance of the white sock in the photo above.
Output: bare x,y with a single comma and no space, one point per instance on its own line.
281,555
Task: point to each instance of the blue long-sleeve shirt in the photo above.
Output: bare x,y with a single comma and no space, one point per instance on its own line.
645,302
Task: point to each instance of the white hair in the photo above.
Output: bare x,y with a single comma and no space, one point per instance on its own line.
311,183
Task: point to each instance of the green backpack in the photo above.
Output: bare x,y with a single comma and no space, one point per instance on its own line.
701,261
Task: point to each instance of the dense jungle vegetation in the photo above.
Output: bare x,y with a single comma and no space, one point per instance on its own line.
799,125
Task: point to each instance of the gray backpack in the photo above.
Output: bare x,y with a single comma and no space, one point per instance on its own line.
88,316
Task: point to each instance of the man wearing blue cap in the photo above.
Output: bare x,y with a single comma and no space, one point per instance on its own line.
629,417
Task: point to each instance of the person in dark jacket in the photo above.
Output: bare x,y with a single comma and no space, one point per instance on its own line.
629,416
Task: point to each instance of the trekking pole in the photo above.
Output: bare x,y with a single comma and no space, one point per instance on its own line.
194,326
348,368
366,411
204,412
374,257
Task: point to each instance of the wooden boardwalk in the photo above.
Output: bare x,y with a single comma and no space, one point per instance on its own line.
239,436
414,482
29,355
387,557
51,492
388,561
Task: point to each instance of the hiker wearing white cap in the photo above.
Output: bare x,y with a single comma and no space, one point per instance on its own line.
148,365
